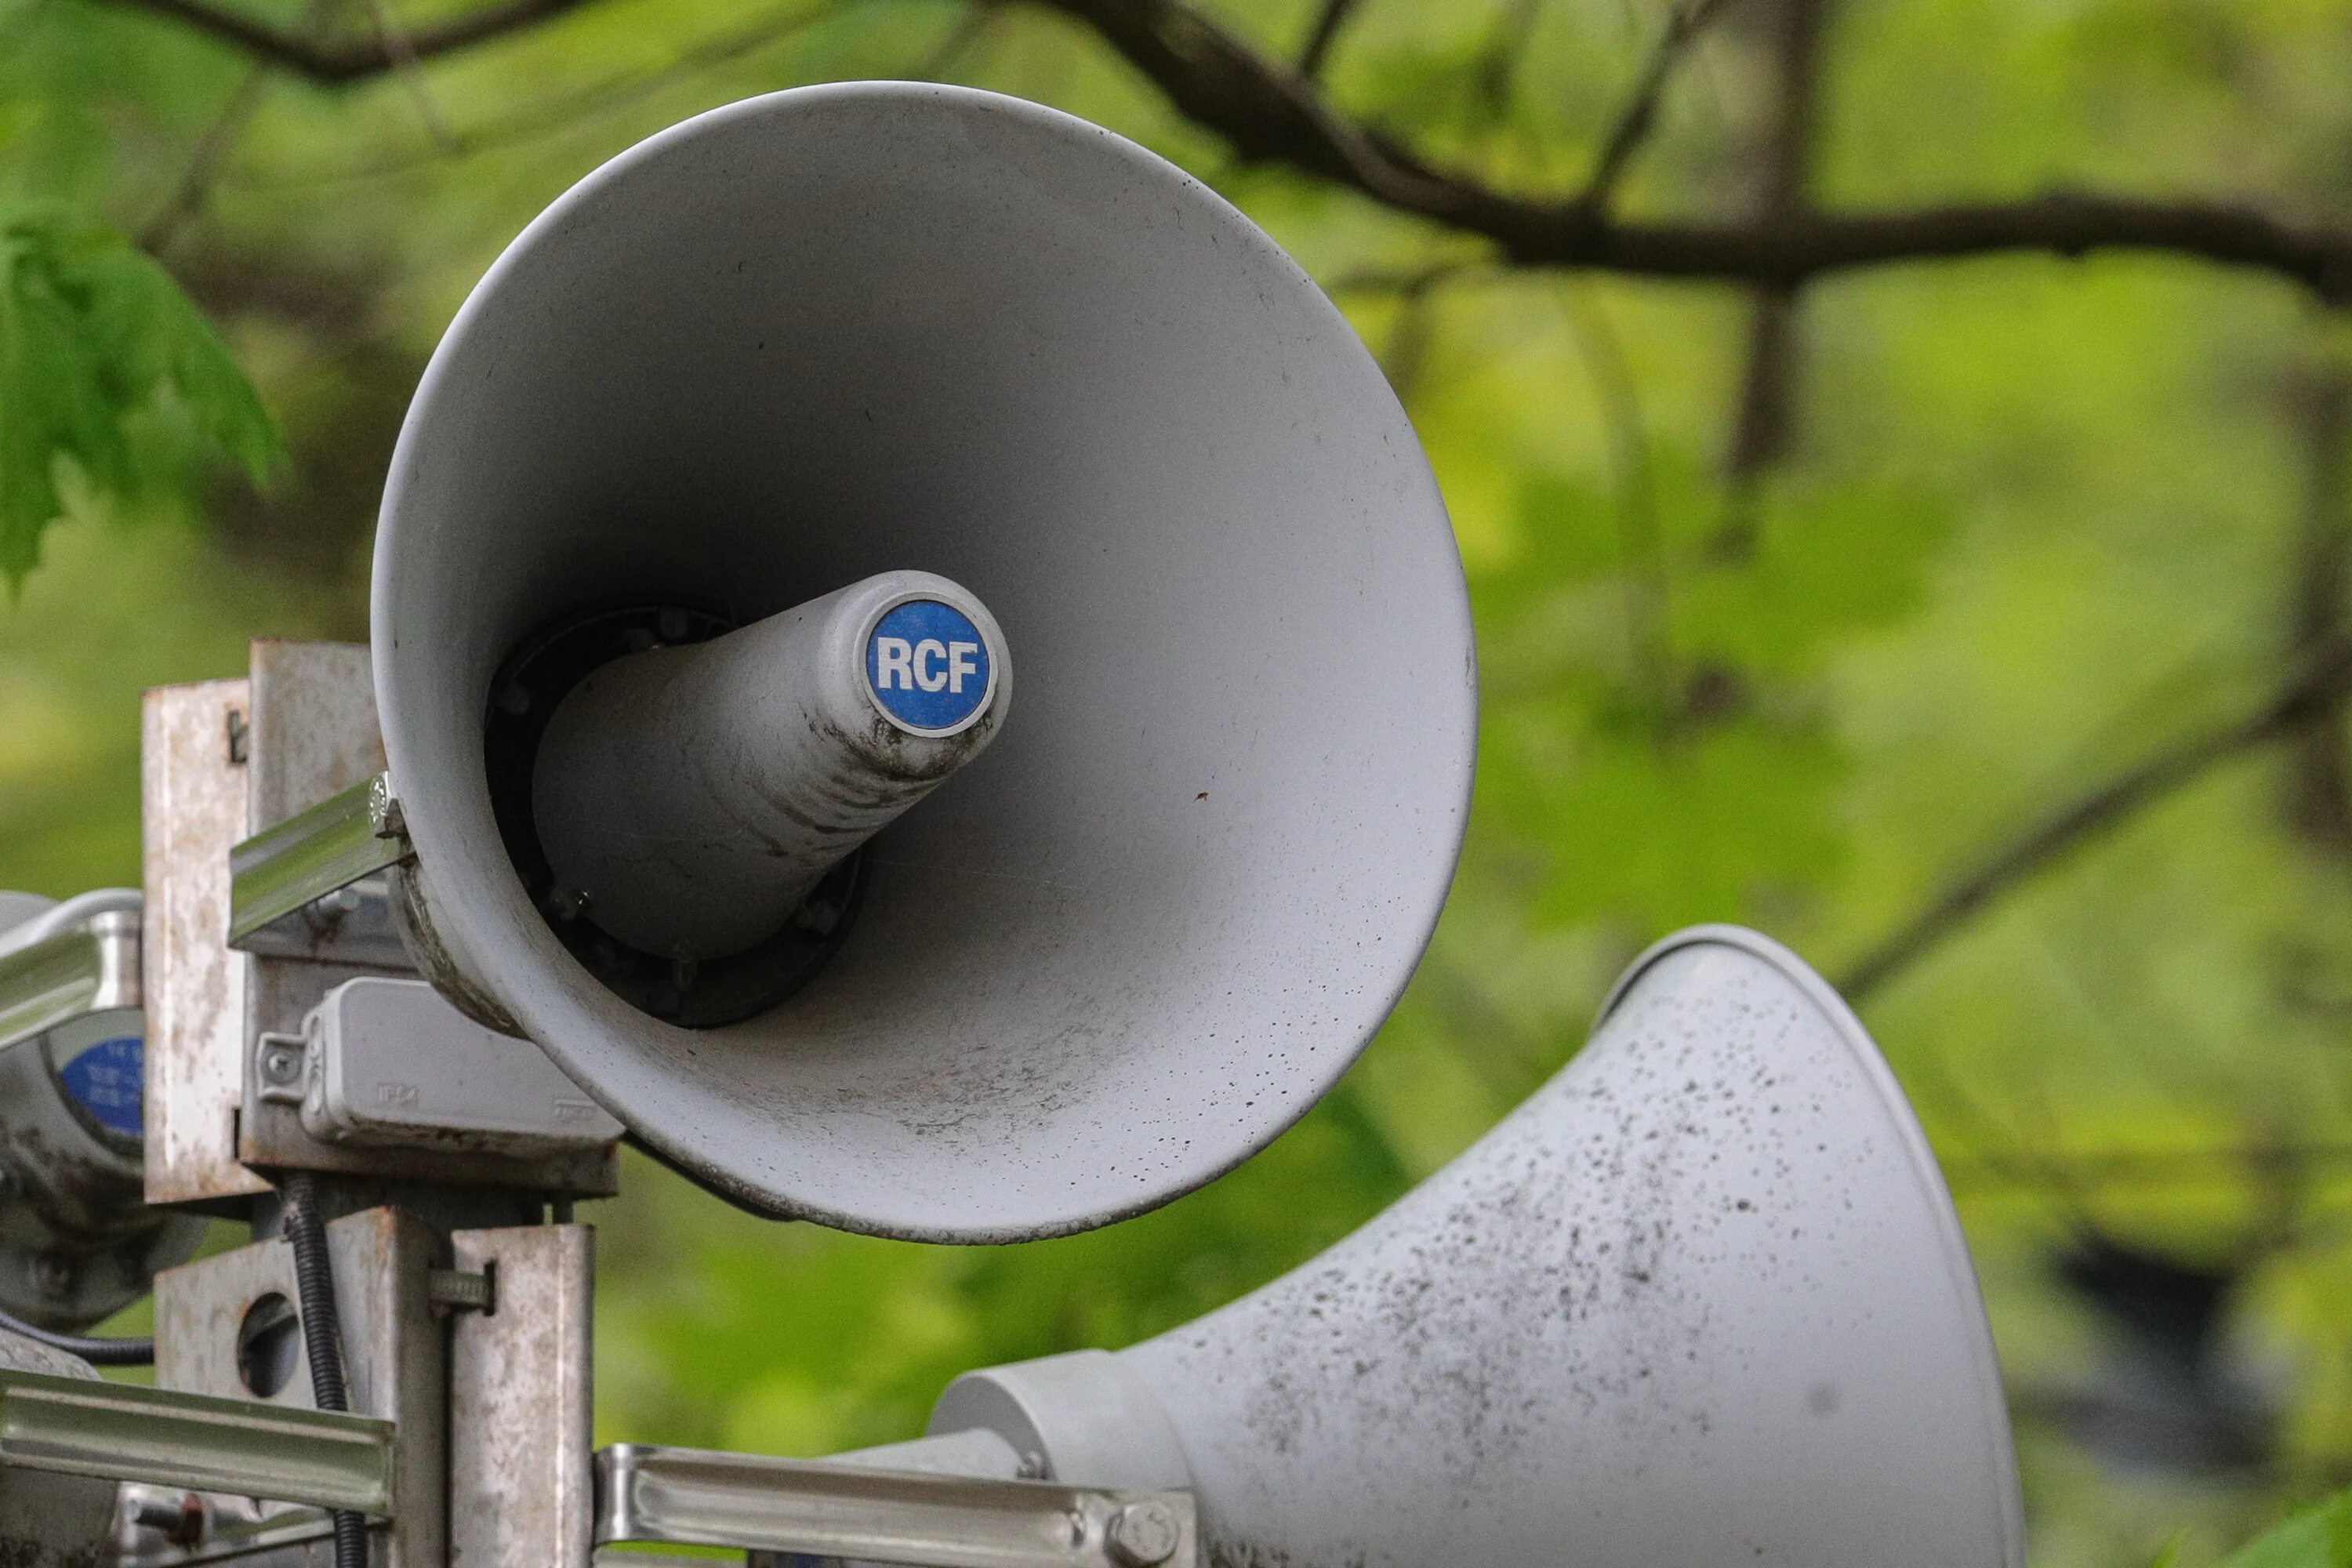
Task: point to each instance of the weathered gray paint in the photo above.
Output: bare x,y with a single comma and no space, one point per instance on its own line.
395,1354
389,1062
520,1403
1083,1417
1702,1302
688,798
308,723
192,811
868,327
76,1242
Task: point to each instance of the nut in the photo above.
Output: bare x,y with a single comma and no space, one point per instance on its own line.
1144,1533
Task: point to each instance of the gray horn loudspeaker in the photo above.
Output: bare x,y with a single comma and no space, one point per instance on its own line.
696,813
1702,1302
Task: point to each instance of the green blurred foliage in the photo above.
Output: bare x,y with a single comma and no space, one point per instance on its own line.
112,384
2319,1538
2044,518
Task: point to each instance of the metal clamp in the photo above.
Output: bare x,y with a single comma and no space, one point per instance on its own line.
282,870
118,1432
695,1497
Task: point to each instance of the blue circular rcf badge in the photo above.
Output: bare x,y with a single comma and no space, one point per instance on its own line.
927,664
108,1077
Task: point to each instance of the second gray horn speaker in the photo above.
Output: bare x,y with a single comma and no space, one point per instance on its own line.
1701,1302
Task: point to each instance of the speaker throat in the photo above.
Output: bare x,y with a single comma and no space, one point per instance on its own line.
691,993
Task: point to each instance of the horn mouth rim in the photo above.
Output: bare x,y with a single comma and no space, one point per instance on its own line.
822,1167
1958,1262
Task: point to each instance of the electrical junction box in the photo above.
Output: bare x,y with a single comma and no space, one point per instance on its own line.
387,1061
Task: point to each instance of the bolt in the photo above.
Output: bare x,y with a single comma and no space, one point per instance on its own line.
180,1519
1144,1533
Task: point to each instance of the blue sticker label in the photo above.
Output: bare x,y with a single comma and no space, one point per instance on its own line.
107,1078
928,665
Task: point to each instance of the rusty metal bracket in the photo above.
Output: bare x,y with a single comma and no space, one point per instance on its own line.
520,1386
219,1337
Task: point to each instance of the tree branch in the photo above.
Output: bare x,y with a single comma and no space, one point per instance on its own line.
1765,425
195,187
1269,115
1325,32
564,111
2319,787
404,61
2317,692
1634,123
332,61
1761,435
1496,67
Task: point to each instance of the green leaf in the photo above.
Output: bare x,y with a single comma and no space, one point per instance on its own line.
114,387
2317,1538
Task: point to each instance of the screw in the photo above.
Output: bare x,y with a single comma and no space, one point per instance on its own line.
281,1064
1144,1533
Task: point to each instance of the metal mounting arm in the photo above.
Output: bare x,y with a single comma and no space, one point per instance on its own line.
695,1497
79,1427
282,869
